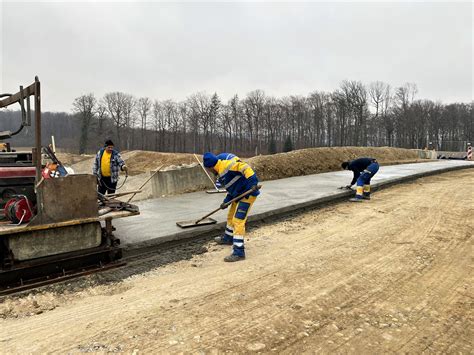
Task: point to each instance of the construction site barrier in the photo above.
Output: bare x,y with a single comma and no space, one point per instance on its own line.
426,154
178,180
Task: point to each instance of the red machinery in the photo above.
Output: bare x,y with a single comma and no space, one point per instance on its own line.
19,209
54,230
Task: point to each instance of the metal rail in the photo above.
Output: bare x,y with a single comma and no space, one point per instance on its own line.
57,268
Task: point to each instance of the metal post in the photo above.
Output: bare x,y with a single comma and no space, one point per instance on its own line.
38,128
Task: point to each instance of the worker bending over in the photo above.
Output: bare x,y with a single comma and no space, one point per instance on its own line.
237,177
364,169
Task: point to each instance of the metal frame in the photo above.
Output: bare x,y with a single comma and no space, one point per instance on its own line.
19,97
16,275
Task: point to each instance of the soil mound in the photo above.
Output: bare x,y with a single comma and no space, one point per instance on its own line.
320,160
139,161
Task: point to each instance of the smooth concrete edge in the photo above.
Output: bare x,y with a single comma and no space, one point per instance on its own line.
279,212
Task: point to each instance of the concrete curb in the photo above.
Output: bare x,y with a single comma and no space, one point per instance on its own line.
217,228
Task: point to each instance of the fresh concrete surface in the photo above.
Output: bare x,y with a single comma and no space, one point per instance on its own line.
157,222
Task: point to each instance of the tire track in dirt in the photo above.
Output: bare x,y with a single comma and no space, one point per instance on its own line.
431,227
454,250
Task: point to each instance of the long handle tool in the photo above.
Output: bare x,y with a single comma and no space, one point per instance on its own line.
217,190
206,221
141,187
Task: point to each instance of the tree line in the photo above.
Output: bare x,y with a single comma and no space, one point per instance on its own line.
355,114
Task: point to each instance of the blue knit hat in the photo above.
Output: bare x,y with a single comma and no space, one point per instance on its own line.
210,160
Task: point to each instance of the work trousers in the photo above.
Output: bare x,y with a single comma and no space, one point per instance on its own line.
363,182
106,185
236,219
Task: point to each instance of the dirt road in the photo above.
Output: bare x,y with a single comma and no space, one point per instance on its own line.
391,275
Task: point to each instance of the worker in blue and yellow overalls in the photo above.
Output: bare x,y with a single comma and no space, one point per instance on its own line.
364,170
237,177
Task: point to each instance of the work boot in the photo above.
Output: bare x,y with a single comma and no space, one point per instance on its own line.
366,197
238,249
234,257
227,238
223,240
356,199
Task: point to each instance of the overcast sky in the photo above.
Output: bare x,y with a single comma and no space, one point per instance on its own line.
172,50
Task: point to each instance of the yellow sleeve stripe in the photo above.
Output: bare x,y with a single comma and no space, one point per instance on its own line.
243,168
224,166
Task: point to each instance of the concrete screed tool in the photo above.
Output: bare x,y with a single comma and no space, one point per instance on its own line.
204,221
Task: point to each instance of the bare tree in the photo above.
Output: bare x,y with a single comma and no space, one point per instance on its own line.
130,119
200,117
115,103
84,107
260,123
253,106
183,112
159,125
143,106
404,97
101,114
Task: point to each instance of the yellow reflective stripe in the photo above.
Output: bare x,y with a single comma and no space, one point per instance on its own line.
223,166
243,168
232,182
366,188
229,167
359,190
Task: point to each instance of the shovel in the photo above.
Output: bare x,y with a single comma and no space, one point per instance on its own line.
204,221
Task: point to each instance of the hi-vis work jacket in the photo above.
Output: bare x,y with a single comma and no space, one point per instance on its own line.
236,176
227,156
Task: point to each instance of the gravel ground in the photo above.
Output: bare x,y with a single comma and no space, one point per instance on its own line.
389,275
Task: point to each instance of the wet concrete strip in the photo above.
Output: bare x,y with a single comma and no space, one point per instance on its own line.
157,222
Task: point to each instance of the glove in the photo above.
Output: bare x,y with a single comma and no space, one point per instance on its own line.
227,198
